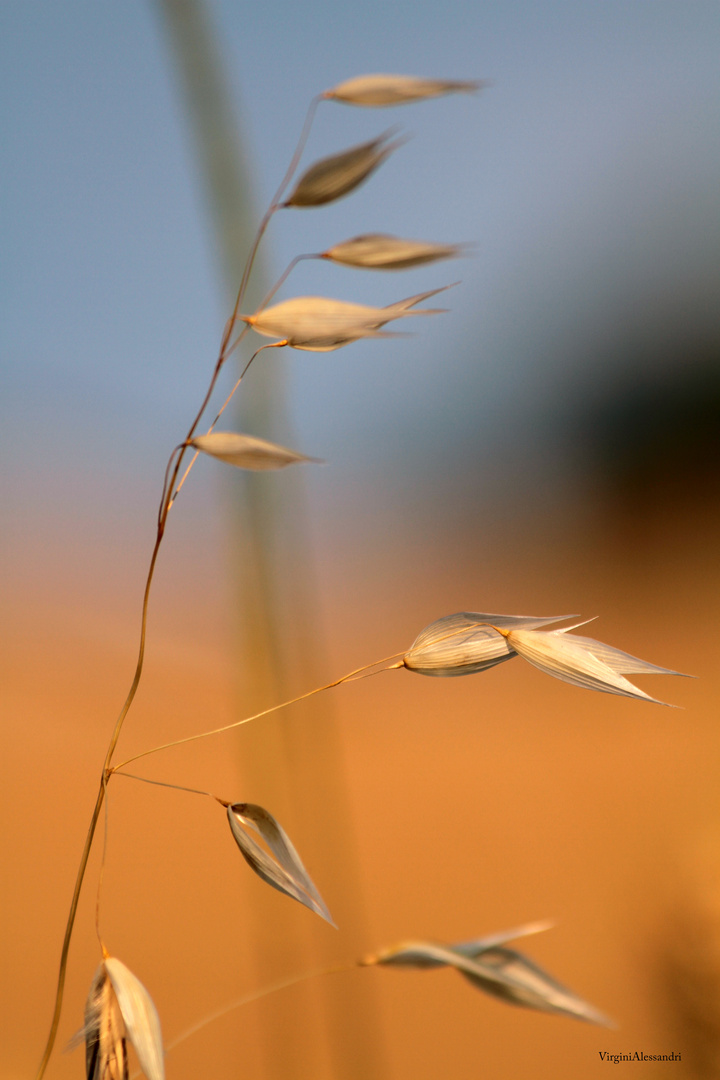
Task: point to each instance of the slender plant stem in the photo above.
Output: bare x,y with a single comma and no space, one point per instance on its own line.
176,787
247,999
96,813
106,772
350,677
171,476
101,875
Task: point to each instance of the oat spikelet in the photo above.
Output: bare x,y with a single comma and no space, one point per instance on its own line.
119,1009
248,451
332,177
104,1032
378,251
380,90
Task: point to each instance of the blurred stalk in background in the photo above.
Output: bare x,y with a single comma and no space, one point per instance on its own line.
293,762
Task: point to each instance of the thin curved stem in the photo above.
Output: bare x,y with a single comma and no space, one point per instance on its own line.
164,508
247,999
285,275
274,205
294,161
350,677
171,476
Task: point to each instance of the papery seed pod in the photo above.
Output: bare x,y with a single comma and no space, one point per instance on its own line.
621,661
496,970
248,451
582,661
415,954
332,177
119,1008
283,868
103,1032
380,90
524,983
319,324
467,642
378,251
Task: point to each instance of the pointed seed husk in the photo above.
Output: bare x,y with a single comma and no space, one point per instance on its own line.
119,1009
378,251
402,307
283,868
501,972
248,451
579,661
332,177
525,984
407,954
383,90
320,324
467,642
140,1017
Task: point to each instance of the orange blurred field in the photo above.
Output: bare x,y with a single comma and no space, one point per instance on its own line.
478,804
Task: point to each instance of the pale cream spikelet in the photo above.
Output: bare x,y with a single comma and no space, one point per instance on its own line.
496,970
471,641
382,90
378,251
104,1032
467,642
321,324
248,451
281,867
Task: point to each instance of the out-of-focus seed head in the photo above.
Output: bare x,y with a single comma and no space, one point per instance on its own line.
104,1032
378,251
583,661
491,967
383,90
320,324
467,642
119,1009
282,868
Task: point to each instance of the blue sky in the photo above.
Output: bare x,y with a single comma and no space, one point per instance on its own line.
587,175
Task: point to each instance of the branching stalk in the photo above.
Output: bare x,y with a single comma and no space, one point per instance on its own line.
350,677
168,494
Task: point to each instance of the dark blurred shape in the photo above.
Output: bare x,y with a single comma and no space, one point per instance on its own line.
653,434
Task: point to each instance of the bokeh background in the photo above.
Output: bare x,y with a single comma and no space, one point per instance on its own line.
550,446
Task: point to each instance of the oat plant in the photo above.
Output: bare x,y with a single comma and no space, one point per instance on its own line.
119,1010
